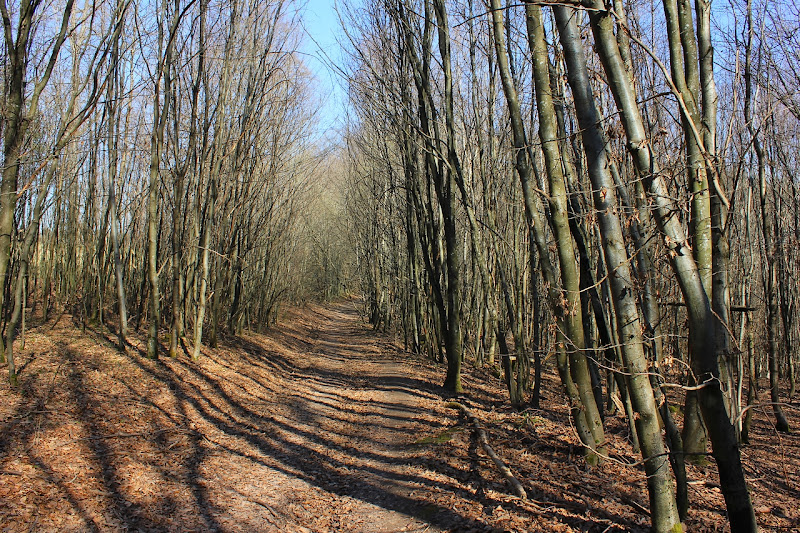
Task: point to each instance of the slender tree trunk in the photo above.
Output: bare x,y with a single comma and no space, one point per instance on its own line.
152,249
214,172
569,305
113,168
702,332
587,419
119,271
160,115
205,242
768,234
453,338
663,508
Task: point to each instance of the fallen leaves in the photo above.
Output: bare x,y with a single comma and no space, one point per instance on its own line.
335,431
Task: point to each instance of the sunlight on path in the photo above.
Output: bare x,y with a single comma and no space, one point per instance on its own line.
345,428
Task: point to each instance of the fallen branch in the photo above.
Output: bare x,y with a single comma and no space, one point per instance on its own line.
516,486
636,505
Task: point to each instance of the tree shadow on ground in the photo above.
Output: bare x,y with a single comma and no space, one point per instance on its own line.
239,405
308,403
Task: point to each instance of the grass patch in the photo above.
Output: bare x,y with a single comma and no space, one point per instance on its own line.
440,438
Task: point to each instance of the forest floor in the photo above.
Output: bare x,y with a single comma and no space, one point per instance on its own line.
319,425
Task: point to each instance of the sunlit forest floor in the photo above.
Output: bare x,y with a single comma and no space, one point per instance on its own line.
320,425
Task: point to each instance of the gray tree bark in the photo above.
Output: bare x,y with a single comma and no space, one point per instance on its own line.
663,508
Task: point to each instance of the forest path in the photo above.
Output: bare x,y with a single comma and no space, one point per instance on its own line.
359,412
310,427
318,425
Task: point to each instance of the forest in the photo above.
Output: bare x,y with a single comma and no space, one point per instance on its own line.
569,218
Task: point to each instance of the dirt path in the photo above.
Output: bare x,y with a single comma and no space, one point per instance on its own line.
318,425
365,474
309,428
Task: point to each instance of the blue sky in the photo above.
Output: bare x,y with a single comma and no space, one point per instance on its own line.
322,25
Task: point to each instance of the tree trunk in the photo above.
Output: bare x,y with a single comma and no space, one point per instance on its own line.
568,308
768,234
702,332
663,508
578,392
453,337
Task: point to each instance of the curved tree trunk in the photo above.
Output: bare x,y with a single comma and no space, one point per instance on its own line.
586,419
702,330
569,307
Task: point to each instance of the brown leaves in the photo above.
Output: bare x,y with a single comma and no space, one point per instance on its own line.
298,432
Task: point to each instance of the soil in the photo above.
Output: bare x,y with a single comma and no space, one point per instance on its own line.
319,425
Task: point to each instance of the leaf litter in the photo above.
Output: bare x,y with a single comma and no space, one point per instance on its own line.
318,425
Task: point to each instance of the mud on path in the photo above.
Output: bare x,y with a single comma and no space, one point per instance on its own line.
308,428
